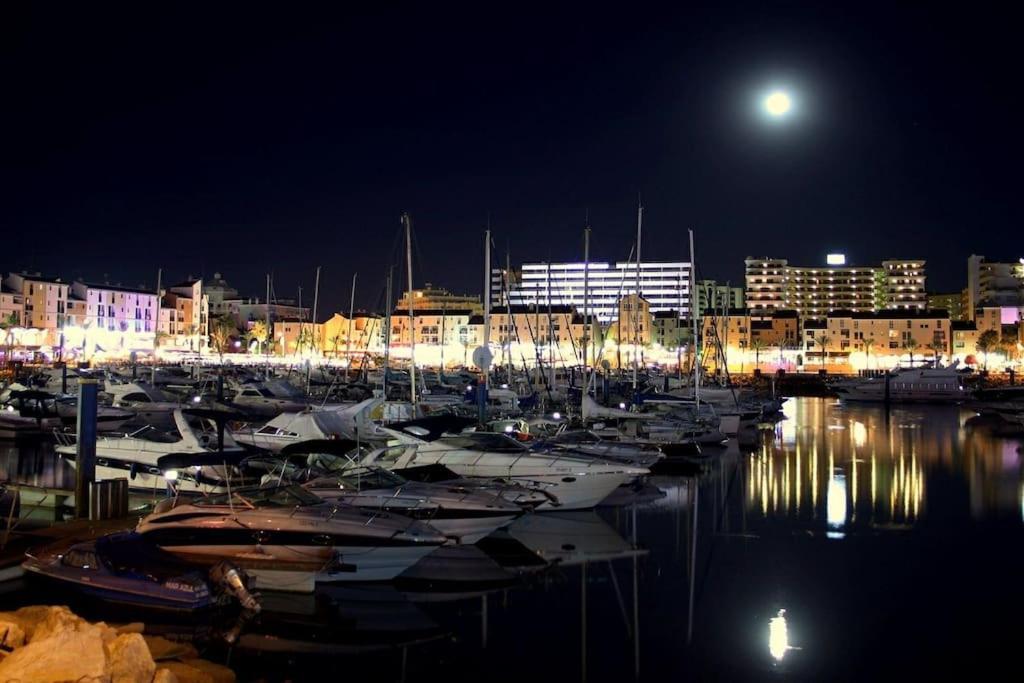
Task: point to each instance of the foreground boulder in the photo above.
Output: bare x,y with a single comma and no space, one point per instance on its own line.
54,645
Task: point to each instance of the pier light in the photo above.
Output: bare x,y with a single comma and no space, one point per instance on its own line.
171,475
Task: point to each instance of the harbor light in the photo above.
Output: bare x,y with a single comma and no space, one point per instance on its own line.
171,475
557,416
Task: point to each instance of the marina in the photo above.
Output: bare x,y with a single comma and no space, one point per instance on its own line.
843,511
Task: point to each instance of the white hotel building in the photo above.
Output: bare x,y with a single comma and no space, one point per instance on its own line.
665,285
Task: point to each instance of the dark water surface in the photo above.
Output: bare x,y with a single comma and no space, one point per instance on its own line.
853,545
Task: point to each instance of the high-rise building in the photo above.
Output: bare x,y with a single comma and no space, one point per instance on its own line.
712,295
772,284
665,285
993,283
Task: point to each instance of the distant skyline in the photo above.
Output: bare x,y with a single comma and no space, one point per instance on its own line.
208,138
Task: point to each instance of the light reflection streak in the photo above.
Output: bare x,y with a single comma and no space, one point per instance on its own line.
778,636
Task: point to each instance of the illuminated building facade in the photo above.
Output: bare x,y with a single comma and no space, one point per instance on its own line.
813,291
665,285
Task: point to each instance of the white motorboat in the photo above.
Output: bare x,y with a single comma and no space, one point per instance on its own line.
138,454
906,385
571,483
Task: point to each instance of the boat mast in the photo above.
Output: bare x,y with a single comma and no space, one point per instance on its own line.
508,312
636,315
156,332
387,331
444,319
312,327
412,329
586,298
693,314
351,315
487,313
270,335
551,348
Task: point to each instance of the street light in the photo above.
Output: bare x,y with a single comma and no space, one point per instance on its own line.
777,104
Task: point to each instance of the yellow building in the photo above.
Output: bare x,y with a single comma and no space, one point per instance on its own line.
634,324
885,338
44,299
438,298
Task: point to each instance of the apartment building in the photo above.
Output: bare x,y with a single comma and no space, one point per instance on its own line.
44,299
438,299
116,308
812,291
665,285
12,304
994,283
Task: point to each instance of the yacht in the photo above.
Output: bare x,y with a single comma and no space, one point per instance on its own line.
31,412
146,402
906,385
139,454
570,483
586,442
256,399
464,514
283,536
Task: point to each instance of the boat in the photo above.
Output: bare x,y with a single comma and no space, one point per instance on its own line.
586,442
571,483
25,412
258,400
330,470
138,454
906,385
288,538
124,568
148,403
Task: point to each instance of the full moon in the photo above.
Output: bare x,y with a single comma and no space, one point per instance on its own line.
777,104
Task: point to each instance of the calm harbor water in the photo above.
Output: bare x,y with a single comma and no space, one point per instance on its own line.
853,544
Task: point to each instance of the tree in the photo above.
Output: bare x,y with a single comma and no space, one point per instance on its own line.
937,349
757,344
259,332
987,342
221,332
822,342
1008,345
910,346
869,345
7,324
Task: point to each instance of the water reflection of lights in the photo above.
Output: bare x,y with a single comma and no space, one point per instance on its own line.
778,636
835,504
860,434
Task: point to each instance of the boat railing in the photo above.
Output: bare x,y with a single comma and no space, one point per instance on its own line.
65,438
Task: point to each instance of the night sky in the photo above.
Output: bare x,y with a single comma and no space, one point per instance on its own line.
225,138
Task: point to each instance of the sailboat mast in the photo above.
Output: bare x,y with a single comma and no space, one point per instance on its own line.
694,315
387,332
551,348
270,333
351,315
487,305
508,312
412,329
586,297
636,316
156,330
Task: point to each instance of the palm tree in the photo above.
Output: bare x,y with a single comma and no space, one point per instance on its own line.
221,331
7,324
910,346
757,344
937,348
987,342
822,342
869,344
259,332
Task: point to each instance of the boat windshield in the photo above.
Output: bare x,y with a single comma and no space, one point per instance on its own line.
359,479
483,441
285,496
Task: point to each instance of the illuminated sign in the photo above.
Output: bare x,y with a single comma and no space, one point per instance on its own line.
836,259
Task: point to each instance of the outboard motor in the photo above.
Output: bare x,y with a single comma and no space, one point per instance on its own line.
233,581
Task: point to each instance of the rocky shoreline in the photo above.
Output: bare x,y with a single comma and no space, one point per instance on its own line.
51,644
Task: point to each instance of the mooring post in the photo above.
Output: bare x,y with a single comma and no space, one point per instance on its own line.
85,462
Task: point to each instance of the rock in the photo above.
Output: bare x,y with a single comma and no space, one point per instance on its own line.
71,654
52,621
12,635
183,673
129,659
161,648
217,672
165,676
